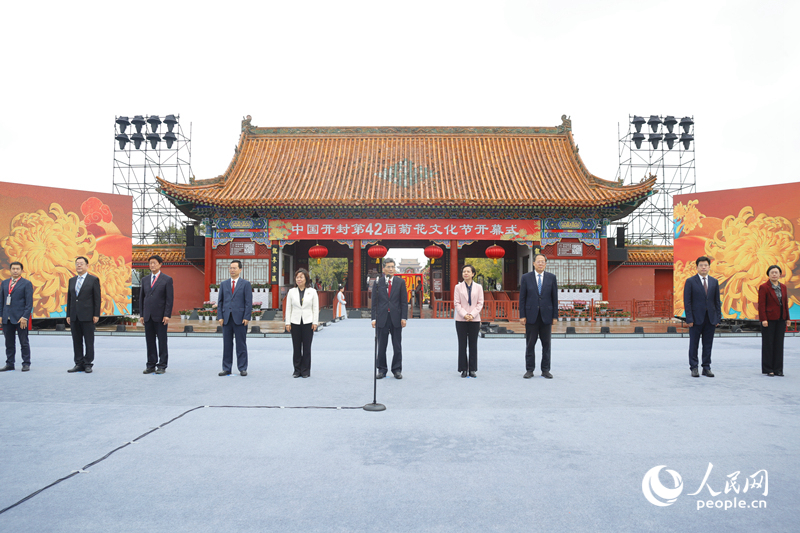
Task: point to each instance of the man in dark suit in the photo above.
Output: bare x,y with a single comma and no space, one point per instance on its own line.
389,315
155,308
83,312
234,311
703,312
16,305
538,309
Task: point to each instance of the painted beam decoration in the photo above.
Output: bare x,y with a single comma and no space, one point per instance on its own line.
743,232
46,228
405,229
227,229
586,230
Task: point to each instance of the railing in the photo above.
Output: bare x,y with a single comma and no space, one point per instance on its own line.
589,310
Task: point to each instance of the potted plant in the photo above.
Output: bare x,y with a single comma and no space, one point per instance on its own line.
256,314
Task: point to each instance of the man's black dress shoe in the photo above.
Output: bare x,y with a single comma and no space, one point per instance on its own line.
7,368
546,374
149,370
381,375
695,373
225,373
708,373
528,374
296,375
472,374
780,374
86,370
398,375
305,375
26,368
160,370
463,373
243,373
75,368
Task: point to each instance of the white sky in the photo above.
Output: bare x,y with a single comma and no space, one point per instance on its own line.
69,67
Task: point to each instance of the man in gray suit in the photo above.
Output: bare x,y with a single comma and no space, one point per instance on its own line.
234,311
16,305
538,309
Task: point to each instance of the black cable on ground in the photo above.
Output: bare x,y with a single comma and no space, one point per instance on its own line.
143,435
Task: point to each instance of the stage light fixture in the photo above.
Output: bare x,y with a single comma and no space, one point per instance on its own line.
638,122
153,139
686,139
169,138
654,122
654,139
138,121
686,123
154,122
170,121
670,139
137,139
123,140
670,122
123,123
637,139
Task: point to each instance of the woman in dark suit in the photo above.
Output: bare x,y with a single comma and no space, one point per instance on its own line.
302,318
773,312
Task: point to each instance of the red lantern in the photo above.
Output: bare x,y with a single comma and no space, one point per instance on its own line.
377,252
495,252
433,253
318,252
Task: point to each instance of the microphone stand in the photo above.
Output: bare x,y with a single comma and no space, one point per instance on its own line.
375,406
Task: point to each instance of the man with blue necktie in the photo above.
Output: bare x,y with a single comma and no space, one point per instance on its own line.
538,309
703,306
83,312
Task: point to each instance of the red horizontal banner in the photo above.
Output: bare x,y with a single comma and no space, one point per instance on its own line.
405,229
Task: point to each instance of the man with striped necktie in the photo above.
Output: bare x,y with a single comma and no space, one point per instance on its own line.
83,312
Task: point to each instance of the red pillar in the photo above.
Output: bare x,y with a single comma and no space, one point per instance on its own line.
276,290
357,273
602,269
453,267
210,268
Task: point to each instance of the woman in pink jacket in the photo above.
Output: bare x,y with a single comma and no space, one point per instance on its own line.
468,302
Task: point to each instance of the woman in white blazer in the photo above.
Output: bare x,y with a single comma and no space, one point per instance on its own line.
302,318
468,302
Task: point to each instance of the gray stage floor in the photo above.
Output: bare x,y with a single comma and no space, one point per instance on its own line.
497,453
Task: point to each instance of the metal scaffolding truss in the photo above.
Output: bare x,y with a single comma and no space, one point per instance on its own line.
146,146
661,146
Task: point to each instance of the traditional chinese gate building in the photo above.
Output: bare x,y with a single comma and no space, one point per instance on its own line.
463,189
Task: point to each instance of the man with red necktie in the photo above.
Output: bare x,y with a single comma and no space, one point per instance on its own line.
16,306
703,312
389,316
234,311
155,308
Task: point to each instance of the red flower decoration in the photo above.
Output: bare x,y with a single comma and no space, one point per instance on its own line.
95,211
